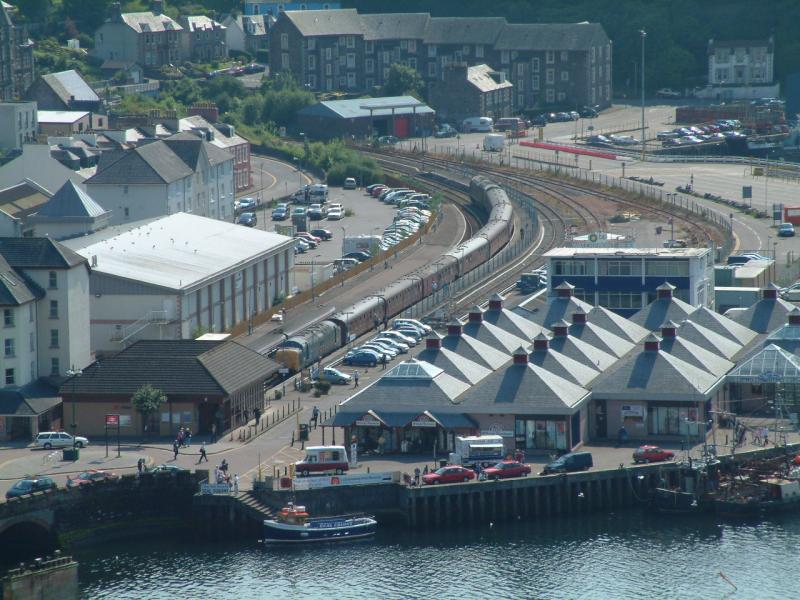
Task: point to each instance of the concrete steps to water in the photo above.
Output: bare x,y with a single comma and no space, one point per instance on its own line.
255,507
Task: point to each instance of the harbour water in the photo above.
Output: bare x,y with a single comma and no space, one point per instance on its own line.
617,556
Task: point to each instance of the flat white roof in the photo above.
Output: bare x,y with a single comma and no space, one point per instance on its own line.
627,252
177,251
60,116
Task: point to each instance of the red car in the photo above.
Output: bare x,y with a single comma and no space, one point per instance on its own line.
449,474
88,477
648,454
507,468
378,191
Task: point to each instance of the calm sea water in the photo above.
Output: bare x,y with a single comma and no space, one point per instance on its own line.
608,556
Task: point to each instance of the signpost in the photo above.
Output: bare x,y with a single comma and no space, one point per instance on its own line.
113,420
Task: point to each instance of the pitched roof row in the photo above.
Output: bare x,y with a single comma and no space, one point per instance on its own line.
493,31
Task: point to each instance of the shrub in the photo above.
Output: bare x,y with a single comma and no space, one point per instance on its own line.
323,387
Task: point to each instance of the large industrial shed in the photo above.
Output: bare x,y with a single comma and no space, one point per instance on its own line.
179,275
400,116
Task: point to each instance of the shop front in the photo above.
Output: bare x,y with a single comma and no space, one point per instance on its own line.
650,420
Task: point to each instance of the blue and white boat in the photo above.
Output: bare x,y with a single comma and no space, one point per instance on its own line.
293,525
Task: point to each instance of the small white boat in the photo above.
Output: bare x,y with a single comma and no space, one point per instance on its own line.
293,525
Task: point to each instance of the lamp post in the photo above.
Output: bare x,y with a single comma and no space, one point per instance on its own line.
344,235
74,374
643,34
313,258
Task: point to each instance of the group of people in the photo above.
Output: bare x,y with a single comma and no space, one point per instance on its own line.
221,476
761,436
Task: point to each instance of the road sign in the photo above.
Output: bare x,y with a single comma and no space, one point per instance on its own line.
747,192
112,420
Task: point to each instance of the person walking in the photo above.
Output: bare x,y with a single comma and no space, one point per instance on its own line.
188,437
175,448
416,476
213,433
355,379
315,416
140,466
236,483
203,455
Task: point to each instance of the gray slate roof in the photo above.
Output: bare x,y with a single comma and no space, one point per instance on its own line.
464,30
351,109
325,22
551,36
153,163
475,350
696,355
394,26
38,253
598,337
563,366
583,352
523,389
14,290
71,201
661,310
694,332
512,323
617,324
558,309
190,147
70,83
494,336
29,400
454,364
766,315
148,22
722,325
231,364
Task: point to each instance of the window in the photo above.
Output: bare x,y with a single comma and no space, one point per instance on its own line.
370,82
620,268
351,61
412,45
328,53
532,434
10,380
124,189
31,342
342,60
285,61
551,75
8,317
520,69
328,83
127,212
550,95
573,267
564,75
550,57
673,420
520,99
351,41
666,268
369,47
54,338
504,56
284,41
535,82
594,53
386,74
9,348
311,43
351,80
412,62
479,51
432,69
312,62
403,44
328,69
564,56
312,82
432,50
53,309
55,367
620,299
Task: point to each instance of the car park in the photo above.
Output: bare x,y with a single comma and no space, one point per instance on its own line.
648,454
589,112
599,140
349,184
623,140
90,477
334,375
539,120
248,219
322,234
378,190
574,115
785,230
299,211
59,439
372,186
569,463
506,469
30,485
666,135
667,93
449,474
379,348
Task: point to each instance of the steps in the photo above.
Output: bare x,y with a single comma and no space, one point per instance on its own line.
253,507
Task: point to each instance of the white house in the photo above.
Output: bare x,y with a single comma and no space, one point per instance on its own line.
36,164
170,277
741,69
17,124
183,173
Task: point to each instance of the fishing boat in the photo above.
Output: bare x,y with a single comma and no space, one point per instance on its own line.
293,524
696,478
752,499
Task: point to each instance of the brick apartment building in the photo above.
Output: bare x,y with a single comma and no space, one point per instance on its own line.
566,64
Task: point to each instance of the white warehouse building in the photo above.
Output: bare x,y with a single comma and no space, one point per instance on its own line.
180,275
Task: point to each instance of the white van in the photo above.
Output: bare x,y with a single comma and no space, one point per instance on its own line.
319,193
476,124
494,142
322,459
486,450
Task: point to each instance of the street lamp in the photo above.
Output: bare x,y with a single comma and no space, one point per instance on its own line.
643,34
312,274
344,235
74,374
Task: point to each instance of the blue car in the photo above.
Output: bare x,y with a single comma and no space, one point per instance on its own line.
361,359
786,230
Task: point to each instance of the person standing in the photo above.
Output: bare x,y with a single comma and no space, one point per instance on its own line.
355,379
140,466
315,416
383,362
203,455
236,483
416,475
188,437
213,433
175,448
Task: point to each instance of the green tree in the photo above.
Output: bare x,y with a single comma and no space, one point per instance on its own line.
147,400
88,14
403,81
251,110
34,10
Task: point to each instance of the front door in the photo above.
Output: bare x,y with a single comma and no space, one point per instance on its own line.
600,419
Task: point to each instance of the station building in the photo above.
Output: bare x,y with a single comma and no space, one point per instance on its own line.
175,276
626,279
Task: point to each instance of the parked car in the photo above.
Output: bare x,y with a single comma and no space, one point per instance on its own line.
786,230
445,131
280,214
245,204
336,376
92,476
277,318
349,184
335,214
387,140
316,212
172,469
396,335
507,468
568,463
27,486
248,219
401,347
359,256
539,120
415,323
667,93
344,264
589,112
449,474
59,439
361,359
299,211
308,238
648,454
322,234
484,124
300,247
369,189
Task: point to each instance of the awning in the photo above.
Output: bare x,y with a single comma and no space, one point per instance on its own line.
454,420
